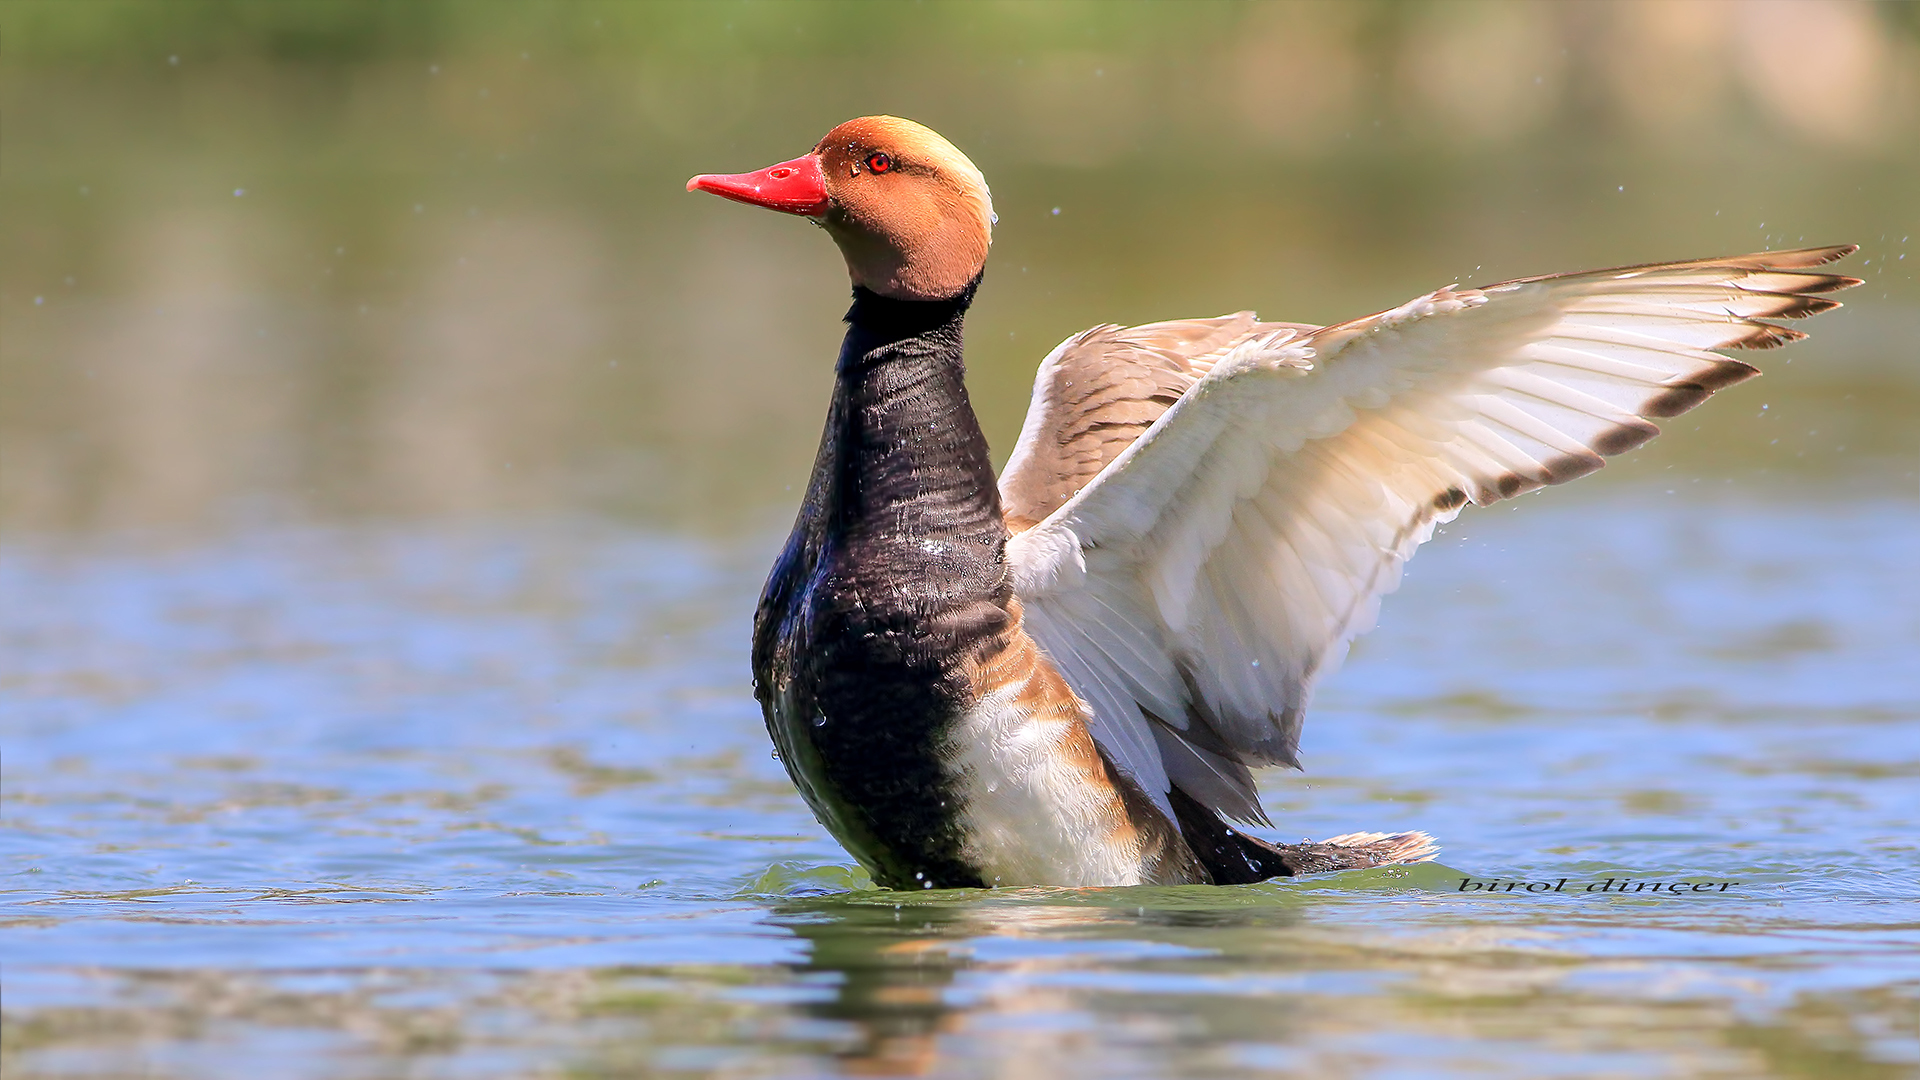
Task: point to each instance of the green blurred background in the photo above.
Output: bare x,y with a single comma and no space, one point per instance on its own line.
323,260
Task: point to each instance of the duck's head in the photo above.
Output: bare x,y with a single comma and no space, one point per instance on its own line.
911,214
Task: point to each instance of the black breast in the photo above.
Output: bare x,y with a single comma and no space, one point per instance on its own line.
894,579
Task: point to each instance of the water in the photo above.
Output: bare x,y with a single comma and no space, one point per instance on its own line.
377,547
497,802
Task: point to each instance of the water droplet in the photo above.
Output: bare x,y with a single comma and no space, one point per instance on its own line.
239,192
1056,211
820,720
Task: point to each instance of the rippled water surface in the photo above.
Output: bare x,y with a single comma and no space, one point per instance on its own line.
391,452
488,802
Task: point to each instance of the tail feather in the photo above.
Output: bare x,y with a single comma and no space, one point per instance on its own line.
1231,857
1356,850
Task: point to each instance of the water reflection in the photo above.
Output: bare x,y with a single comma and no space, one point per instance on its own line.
923,1009
913,973
893,976
947,987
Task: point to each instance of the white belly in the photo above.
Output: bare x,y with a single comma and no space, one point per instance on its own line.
1031,813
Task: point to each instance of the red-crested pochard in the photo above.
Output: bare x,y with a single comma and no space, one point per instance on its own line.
1067,677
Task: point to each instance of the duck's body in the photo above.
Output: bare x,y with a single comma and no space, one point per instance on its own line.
1059,679
915,714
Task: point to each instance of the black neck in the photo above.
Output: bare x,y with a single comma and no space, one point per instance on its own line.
908,460
893,583
876,323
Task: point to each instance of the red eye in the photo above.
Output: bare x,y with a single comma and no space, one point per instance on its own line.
879,163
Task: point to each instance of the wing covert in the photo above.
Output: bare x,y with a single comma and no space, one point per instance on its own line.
1098,391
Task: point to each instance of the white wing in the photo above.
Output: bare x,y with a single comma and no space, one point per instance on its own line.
1196,588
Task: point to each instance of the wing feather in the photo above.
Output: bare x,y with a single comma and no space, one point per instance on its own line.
1097,391
1252,501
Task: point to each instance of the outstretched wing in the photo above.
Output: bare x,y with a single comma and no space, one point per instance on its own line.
1222,560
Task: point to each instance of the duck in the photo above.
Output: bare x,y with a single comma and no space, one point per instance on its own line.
1067,674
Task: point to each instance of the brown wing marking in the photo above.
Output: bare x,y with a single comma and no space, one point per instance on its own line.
1129,817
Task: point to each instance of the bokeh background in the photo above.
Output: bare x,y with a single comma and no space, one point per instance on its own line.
391,451
319,259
